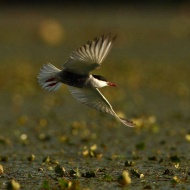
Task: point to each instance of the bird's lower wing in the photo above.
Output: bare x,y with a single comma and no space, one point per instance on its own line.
89,56
94,99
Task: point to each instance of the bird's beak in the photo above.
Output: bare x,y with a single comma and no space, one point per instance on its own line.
111,84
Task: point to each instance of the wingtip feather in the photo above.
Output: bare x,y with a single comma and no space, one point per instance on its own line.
127,122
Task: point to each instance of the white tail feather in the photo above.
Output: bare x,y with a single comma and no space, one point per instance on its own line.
47,77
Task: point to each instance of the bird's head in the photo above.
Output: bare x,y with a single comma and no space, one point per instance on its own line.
102,82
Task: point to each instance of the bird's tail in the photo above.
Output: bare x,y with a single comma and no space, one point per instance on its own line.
48,77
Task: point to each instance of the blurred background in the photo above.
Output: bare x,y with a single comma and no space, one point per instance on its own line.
150,63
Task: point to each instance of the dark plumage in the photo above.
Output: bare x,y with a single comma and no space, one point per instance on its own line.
72,79
100,78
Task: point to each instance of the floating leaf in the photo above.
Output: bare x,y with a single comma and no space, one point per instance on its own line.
13,185
31,158
176,179
46,159
129,163
60,170
1,169
124,179
135,173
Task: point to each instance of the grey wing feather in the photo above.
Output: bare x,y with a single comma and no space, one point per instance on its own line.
93,98
90,56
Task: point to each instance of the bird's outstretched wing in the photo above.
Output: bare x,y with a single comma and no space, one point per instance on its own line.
89,56
93,98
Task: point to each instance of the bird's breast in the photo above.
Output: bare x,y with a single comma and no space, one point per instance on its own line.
73,79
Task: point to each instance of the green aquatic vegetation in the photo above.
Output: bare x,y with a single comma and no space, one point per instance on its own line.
107,178
175,159
45,185
64,184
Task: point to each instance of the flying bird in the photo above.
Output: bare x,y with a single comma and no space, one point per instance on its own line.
76,73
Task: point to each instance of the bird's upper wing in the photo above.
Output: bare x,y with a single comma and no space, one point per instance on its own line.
94,99
89,56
